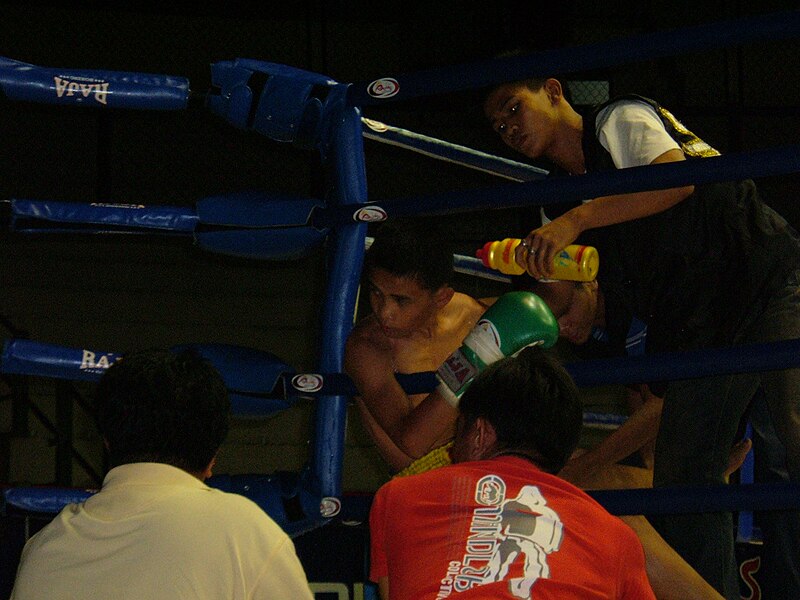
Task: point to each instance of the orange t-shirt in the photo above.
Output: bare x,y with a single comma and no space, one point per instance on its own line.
500,528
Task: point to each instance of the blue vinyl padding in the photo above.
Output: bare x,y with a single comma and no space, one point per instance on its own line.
92,88
345,255
255,209
278,101
168,218
267,244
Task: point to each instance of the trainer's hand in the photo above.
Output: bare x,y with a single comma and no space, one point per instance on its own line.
538,250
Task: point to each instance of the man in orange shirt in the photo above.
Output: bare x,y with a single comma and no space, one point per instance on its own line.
499,523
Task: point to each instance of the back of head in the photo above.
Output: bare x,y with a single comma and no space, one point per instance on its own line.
558,295
533,405
160,406
411,249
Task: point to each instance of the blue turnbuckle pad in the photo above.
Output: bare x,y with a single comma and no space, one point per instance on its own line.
54,216
254,378
263,244
256,225
291,501
28,357
255,210
284,103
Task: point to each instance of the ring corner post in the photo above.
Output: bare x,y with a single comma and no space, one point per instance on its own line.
345,256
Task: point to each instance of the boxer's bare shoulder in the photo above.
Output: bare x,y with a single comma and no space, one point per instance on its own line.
455,321
423,350
372,359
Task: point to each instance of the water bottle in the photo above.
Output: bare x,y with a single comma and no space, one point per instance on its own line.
573,263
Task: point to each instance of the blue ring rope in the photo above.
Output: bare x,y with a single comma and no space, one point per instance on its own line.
728,167
648,501
583,58
700,499
672,366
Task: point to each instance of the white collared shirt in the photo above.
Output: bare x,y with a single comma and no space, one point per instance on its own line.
154,531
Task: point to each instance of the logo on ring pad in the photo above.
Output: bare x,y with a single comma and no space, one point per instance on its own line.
383,88
370,214
330,506
307,382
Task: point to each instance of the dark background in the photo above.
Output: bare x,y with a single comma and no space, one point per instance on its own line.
117,293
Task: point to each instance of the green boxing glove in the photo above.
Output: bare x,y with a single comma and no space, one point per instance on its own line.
517,320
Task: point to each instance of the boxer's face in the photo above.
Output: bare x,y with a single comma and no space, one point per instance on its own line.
574,305
400,304
523,118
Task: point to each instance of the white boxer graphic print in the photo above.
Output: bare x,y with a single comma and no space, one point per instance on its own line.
507,536
530,528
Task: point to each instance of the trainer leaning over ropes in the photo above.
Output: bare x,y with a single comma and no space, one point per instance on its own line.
704,266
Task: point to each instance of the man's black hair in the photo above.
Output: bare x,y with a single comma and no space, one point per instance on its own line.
533,405
532,83
414,250
160,406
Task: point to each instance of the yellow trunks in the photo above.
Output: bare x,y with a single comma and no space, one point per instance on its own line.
438,457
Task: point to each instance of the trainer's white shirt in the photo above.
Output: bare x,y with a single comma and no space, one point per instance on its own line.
633,133
154,531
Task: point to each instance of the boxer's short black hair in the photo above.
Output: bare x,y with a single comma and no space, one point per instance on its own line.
414,250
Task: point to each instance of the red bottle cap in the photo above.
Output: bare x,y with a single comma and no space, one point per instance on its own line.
483,254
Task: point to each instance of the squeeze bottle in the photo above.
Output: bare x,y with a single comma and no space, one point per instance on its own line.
574,263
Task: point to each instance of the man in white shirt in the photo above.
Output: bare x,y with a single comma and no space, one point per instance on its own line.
155,530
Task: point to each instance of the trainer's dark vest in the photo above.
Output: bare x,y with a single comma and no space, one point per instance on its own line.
693,272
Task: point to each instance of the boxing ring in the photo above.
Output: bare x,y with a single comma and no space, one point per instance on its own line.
316,114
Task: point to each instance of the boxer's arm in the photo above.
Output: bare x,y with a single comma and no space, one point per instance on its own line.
640,428
414,430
